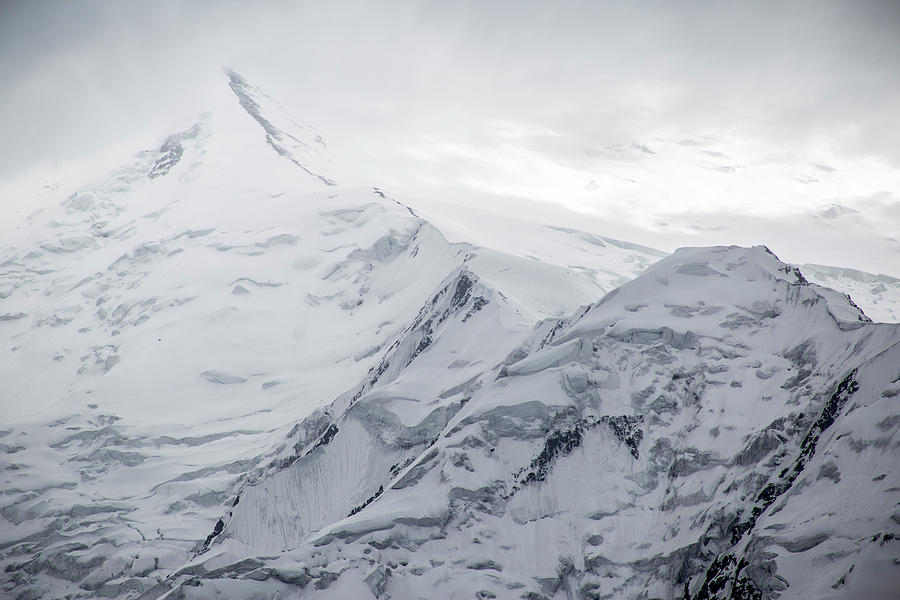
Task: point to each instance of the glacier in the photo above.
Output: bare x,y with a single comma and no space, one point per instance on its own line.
227,375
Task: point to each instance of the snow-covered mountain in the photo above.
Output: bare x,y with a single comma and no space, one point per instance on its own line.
877,295
225,375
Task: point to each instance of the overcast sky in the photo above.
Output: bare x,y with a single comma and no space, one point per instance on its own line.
677,115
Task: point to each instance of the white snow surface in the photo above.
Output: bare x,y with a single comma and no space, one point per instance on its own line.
227,376
878,295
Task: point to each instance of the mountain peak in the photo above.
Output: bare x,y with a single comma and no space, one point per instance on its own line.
298,142
716,292
749,263
684,409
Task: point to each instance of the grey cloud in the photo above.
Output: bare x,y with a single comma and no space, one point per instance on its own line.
83,74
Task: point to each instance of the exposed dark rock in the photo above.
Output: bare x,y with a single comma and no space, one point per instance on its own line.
628,430
558,443
326,437
477,304
220,526
371,499
723,569
561,442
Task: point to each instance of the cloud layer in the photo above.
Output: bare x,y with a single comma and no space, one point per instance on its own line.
658,113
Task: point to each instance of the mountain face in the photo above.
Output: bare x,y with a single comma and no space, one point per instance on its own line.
227,376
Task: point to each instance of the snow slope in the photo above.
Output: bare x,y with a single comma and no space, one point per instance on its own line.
167,323
227,376
733,437
877,295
